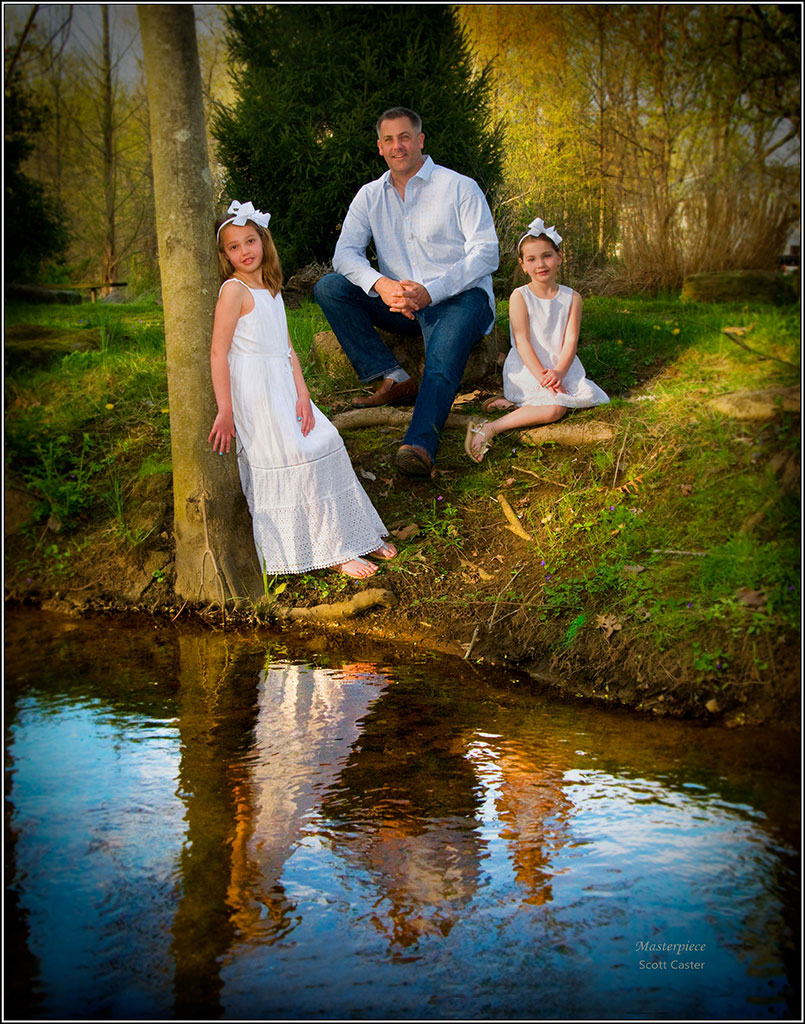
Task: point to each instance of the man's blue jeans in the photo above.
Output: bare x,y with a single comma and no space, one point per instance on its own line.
450,330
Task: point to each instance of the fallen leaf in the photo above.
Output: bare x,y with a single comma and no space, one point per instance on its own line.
609,623
633,570
751,598
510,481
713,706
367,475
407,531
482,573
642,613
686,489
738,331
465,399
631,484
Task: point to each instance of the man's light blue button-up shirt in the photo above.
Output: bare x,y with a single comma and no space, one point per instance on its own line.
441,236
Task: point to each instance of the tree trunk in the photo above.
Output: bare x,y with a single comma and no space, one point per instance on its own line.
108,146
215,555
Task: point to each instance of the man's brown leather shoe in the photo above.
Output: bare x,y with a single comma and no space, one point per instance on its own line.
389,393
411,460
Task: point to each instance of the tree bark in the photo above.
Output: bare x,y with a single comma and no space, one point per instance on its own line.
108,147
215,556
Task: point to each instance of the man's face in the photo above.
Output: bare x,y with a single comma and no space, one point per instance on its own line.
400,147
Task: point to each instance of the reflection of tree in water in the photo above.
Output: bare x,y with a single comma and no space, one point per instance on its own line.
404,810
307,720
215,721
526,778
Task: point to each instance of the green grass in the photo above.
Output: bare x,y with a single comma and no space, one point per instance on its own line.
81,429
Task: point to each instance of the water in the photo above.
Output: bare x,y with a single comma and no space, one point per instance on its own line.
202,825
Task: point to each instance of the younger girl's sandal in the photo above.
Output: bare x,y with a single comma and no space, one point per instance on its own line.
497,403
475,429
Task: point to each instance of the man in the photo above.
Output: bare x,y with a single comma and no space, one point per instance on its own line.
436,250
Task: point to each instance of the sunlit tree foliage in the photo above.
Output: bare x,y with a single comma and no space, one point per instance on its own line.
662,138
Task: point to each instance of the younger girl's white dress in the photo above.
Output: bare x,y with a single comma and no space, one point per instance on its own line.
308,509
547,319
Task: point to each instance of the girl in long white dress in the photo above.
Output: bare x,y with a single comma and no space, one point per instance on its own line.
542,377
308,508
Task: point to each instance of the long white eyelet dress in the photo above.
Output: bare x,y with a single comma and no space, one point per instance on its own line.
308,509
547,319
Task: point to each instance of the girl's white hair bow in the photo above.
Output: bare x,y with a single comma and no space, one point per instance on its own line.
537,228
243,212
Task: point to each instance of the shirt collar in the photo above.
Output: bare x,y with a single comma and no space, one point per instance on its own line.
424,172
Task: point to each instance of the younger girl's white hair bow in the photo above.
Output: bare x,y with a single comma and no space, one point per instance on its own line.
537,228
243,212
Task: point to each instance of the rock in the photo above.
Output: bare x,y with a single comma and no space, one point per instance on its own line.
410,352
305,280
740,286
19,509
148,507
757,405
299,286
329,357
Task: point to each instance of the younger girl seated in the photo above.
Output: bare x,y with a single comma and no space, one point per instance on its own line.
542,375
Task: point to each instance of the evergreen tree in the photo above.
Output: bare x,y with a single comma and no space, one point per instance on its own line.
34,234
311,81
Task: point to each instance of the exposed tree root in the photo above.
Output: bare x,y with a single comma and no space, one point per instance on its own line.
360,602
572,433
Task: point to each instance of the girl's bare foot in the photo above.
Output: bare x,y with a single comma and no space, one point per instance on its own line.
385,551
356,568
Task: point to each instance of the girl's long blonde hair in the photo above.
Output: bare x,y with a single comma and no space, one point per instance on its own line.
272,271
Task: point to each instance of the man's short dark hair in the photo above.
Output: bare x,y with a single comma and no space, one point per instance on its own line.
394,112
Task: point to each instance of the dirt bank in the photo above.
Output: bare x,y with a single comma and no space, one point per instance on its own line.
465,585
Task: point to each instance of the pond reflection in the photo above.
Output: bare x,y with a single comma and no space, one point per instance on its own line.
202,825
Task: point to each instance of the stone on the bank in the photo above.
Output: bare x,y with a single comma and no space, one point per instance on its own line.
757,405
740,286
410,353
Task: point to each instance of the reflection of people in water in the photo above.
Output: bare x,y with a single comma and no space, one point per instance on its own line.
530,805
307,721
410,787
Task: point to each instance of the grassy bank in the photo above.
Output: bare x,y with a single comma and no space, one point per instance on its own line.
662,569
